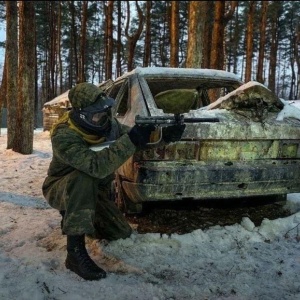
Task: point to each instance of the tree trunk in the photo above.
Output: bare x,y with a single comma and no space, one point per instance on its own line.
221,19
119,41
197,20
73,48
217,51
60,70
3,100
23,142
10,77
132,39
109,40
297,58
249,41
274,46
293,46
53,48
81,72
174,34
262,41
233,34
147,53
236,42
207,35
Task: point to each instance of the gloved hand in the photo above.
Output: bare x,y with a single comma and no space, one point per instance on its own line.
140,135
173,133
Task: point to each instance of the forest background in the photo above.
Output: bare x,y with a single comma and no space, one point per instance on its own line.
51,46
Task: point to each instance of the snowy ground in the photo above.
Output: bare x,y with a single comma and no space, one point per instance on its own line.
233,262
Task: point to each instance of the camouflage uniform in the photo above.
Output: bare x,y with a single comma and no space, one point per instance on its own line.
79,179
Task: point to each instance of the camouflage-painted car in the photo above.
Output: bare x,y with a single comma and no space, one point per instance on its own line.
252,151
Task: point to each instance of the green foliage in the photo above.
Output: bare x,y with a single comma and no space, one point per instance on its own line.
47,14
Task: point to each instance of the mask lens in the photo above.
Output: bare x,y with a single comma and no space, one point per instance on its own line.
100,118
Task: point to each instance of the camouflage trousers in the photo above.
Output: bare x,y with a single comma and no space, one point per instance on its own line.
87,204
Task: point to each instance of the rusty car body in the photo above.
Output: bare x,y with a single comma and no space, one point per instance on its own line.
254,149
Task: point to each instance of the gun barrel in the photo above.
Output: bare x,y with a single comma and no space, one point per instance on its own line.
200,120
166,120
159,120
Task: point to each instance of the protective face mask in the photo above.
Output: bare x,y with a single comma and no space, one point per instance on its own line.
100,118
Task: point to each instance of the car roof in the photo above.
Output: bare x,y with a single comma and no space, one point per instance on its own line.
182,72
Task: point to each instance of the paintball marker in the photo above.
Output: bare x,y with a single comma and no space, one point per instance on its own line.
158,121
164,121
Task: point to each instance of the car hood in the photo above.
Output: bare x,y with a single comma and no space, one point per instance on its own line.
250,112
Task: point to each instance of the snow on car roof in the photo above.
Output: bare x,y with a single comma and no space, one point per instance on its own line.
62,100
147,71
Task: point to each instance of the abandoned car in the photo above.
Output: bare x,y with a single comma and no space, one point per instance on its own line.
240,140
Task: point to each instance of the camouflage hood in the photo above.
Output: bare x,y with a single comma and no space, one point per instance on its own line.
84,94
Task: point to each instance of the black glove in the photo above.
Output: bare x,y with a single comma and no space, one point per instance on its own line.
140,135
173,133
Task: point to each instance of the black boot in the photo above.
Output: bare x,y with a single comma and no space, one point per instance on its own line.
79,261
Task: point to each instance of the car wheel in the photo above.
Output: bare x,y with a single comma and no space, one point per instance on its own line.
122,201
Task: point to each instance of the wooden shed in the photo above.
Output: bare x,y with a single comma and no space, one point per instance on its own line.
54,109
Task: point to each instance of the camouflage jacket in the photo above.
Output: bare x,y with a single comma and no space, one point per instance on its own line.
71,151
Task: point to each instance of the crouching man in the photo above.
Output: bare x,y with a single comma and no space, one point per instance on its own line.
79,180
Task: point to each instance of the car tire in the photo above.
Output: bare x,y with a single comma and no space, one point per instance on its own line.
122,201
